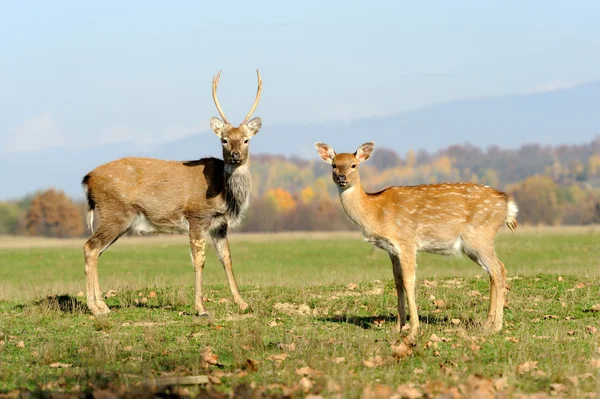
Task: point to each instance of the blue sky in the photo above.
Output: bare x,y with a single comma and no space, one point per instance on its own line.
83,74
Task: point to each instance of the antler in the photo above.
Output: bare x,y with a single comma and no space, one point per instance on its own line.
215,83
255,101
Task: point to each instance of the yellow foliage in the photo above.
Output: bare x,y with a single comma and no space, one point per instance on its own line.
307,194
594,165
284,201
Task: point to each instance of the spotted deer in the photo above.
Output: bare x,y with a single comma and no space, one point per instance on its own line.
202,197
442,219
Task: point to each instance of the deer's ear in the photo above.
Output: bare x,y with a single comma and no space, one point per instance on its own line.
364,151
325,152
254,125
217,126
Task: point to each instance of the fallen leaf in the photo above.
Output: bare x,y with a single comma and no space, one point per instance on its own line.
209,357
571,332
110,294
439,303
418,370
251,365
591,330
455,321
559,388
479,387
223,300
152,294
373,362
512,339
245,347
474,293
474,347
538,374
595,308
60,365
352,286
273,323
278,358
436,353
338,360
306,384
128,348
20,344
527,367
428,283
401,351
560,278
214,380
407,391
81,293
580,285
550,316
596,363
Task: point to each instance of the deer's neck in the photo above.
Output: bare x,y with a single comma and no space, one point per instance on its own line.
238,184
356,204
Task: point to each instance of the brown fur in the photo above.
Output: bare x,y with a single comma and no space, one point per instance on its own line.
438,218
150,195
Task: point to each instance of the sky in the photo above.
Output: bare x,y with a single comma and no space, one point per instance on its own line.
85,74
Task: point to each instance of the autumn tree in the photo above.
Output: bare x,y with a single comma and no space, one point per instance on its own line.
53,214
537,199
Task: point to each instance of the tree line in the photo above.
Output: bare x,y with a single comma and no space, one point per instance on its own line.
552,185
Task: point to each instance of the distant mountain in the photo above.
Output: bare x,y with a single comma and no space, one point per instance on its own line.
563,116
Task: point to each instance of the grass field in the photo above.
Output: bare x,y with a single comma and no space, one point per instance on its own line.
322,311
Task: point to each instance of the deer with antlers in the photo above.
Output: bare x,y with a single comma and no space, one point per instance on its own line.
443,219
203,197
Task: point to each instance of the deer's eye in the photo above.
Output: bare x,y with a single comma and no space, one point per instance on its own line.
246,141
354,166
334,166
224,141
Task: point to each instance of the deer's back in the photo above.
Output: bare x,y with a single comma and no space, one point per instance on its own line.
160,190
439,216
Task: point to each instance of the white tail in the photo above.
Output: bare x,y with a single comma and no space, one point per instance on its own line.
200,197
439,218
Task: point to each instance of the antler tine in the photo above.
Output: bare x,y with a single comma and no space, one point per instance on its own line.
257,98
215,83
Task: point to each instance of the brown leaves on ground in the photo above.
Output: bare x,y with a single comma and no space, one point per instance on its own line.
531,368
591,330
278,358
352,286
401,350
110,294
20,344
209,358
373,362
595,308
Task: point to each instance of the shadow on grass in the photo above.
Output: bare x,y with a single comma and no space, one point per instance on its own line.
63,303
368,322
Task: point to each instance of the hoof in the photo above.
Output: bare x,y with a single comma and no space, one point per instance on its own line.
243,306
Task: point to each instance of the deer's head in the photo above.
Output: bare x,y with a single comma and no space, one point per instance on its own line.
235,140
345,165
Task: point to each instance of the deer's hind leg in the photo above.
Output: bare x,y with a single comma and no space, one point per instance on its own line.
107,233
399,290
487,259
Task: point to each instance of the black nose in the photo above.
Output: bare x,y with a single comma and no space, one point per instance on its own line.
341,178
236,156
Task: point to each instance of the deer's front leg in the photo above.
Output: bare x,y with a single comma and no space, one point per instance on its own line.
219,237
399,290
198,250
408,263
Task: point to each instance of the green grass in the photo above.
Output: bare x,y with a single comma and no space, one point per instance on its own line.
548,319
